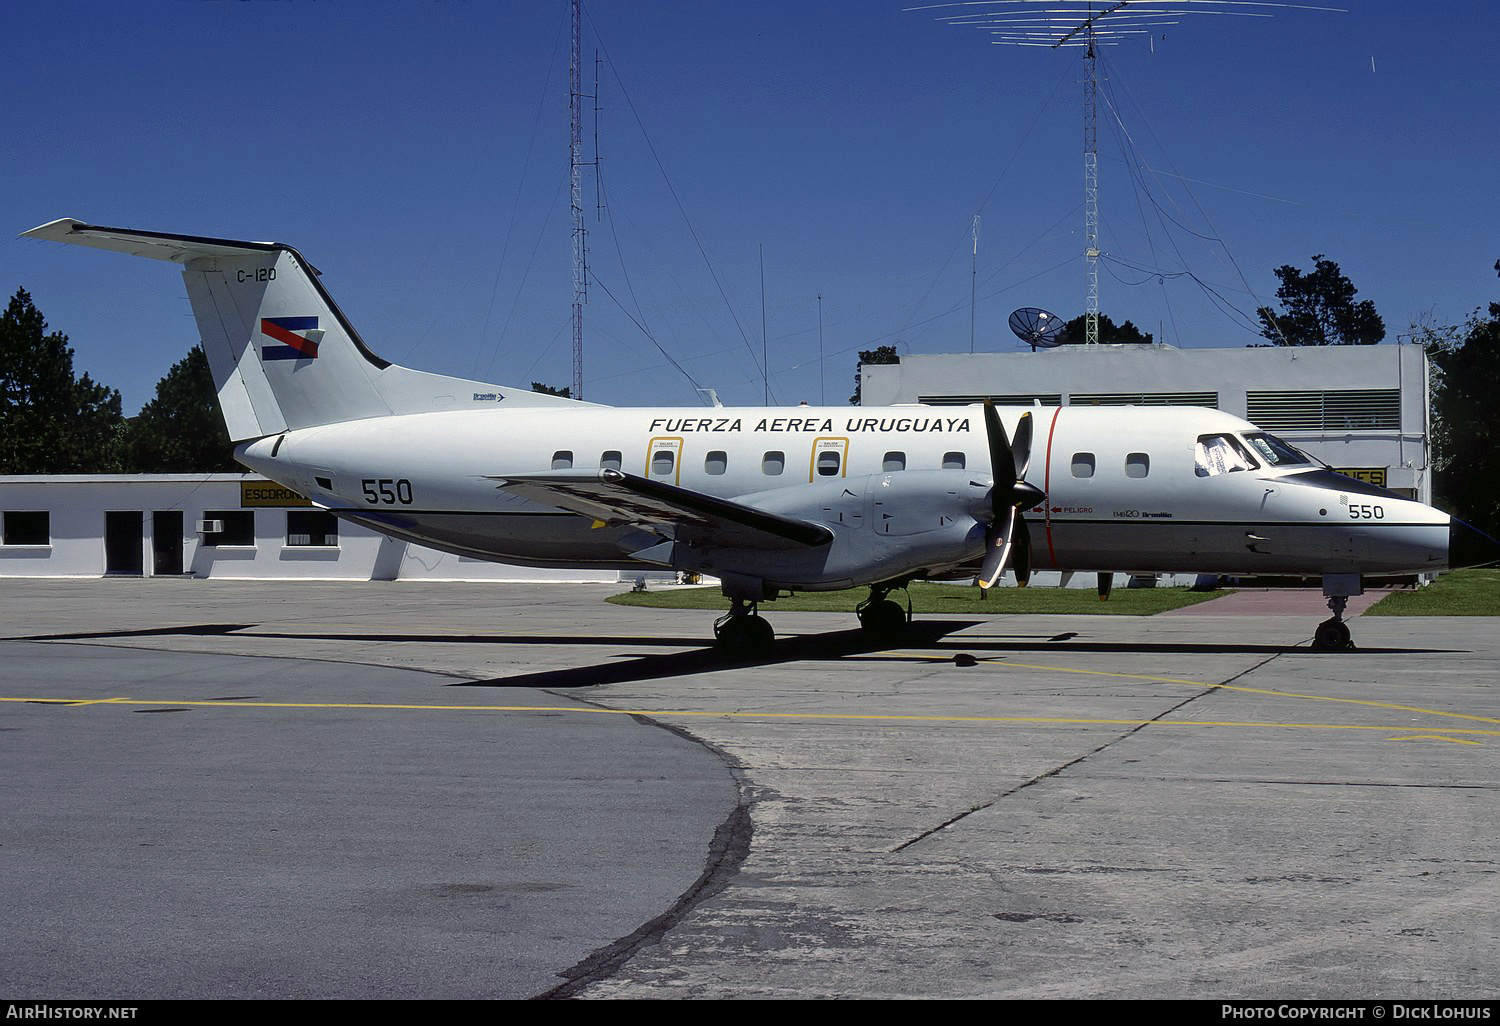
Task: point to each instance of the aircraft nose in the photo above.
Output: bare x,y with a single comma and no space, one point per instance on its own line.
1469,546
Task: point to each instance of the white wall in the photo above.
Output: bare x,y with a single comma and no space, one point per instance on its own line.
77,505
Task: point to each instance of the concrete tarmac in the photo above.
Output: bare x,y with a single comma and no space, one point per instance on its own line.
1185,806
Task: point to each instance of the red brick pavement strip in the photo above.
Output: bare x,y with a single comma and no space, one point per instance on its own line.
1277,602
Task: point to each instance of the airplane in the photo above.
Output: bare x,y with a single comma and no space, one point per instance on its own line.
767,500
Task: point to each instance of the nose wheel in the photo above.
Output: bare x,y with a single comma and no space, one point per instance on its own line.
1332,634
743,634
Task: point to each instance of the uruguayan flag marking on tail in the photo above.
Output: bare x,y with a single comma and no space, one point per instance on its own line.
294,346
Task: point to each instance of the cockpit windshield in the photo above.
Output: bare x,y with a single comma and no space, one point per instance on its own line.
1221,454
1274,451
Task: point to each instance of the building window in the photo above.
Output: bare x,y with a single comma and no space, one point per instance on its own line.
1137,464
1083,464
237,527
954,461
716,462
773,463
311,528
28,527
611,460
562,459
893,462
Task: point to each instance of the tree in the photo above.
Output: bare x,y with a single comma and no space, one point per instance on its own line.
878,355
1319,309
181,430
1075,332
1466,425
50,421
566,391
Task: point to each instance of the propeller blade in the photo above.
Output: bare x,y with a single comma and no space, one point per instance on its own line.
997,546
1106,581
1022,561
1001,457
1021,445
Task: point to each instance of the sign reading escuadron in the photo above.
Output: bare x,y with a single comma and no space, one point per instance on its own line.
260,494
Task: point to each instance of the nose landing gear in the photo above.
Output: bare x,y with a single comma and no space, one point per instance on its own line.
1332,634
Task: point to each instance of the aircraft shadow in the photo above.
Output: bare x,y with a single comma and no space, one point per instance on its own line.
852,645
796,648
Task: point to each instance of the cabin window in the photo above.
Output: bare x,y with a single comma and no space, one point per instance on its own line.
311,528
662,462
562,459
611,460
716,462
828,463
27,528
953,461
773,463
1083,464
893,462
1221,454
1137,464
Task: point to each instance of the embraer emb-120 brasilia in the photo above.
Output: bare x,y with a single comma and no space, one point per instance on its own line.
891,494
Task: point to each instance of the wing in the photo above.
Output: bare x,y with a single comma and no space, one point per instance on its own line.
616,498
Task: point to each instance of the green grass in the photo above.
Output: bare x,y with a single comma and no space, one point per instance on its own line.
943,598
1459,593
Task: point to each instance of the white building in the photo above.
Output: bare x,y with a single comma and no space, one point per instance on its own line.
212,525
1362,409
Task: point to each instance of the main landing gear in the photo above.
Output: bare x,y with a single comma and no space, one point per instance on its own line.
880,618
742,633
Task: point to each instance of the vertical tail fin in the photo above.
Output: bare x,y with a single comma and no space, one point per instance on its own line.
283,355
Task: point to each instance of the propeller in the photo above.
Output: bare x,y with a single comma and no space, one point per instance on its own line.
1010,496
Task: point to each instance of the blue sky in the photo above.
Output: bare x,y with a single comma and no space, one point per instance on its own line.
417,154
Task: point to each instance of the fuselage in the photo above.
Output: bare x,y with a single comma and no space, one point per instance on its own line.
1145,489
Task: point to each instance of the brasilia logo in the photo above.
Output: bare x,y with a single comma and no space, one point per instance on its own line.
299,338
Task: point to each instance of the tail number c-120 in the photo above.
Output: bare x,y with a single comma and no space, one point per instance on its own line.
384,491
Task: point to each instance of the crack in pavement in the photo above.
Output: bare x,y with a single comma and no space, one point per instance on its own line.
1207,690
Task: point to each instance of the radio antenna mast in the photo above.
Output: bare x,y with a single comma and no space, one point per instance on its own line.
580,230
1056,24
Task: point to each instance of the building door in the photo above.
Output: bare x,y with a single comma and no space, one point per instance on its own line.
166,543
124,542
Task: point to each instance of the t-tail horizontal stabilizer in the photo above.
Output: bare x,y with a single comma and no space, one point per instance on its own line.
282,353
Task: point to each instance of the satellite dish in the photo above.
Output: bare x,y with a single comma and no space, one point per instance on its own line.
1037,328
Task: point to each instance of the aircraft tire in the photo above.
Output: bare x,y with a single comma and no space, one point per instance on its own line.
1332,636
746,638
883,621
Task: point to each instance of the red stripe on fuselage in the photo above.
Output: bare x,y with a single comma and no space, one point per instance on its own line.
280,334
1047,486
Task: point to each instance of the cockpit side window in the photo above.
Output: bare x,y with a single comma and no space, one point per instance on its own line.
1221,454
1274,451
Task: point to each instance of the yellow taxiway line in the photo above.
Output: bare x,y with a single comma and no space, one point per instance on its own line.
1007,664
1446,732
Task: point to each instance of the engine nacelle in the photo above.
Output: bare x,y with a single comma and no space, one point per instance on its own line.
885,526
